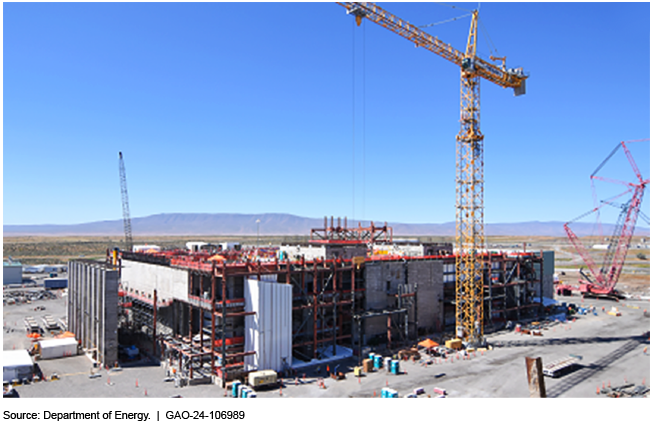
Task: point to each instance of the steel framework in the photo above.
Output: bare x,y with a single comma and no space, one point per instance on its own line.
341,234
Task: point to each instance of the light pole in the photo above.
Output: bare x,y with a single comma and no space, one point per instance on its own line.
258,235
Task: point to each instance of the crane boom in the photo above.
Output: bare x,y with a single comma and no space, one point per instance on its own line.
624,239
513,78
128,236
470,238
604,279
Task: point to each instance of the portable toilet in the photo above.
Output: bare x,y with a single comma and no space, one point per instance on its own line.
240,390
371,355
235,387
388,393
387,361
378,361
244,392
394,367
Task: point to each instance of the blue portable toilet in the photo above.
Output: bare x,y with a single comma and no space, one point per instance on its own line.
371,355
394,367
388,393
378,361
235,387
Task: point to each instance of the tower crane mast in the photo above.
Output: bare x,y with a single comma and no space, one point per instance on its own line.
470,238
126,215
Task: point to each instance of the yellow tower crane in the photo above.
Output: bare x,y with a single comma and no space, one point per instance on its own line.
470,237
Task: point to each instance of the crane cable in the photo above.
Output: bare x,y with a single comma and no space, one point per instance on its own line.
354,95
363,151
445,21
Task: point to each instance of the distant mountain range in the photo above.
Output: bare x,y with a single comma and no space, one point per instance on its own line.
197,224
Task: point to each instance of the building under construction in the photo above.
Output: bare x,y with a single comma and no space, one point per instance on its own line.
220,313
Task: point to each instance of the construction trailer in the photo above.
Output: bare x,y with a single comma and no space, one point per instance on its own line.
57,348
17,365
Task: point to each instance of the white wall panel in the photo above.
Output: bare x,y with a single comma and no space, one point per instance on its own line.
268,332
171,283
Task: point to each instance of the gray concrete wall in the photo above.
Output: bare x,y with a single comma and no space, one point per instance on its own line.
428,274
549,270
171,283
92,308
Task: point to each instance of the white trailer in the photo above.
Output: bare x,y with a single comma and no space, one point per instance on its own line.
57,348
16,365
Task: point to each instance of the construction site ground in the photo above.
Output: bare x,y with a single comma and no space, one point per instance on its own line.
613,350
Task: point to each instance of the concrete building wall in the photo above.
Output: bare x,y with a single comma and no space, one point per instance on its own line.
382,280
92,308
549,270
171,283
428,275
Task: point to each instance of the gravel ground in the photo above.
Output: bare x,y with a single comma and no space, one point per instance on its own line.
612,351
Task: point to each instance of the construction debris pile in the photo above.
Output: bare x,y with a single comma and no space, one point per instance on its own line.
14,297
625,390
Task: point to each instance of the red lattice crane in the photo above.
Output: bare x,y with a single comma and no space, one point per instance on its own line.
602,281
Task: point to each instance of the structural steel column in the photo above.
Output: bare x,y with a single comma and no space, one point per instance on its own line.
155,319
315,314
213,318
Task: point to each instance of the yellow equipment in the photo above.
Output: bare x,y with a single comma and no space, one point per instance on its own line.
470,239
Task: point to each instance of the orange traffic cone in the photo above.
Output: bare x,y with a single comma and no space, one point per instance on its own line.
609,384
145,392
136,382
359,380
386,383
374,393
280,391
597,390
108,381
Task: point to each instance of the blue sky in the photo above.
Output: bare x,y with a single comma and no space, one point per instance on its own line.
290,108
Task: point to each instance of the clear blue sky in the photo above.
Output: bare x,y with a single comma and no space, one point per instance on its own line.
252,108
